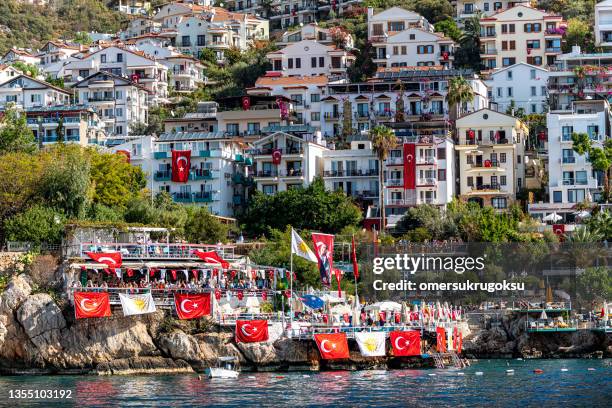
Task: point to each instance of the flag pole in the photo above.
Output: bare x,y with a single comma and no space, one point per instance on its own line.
291,292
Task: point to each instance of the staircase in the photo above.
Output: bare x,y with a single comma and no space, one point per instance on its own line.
438,360
456,360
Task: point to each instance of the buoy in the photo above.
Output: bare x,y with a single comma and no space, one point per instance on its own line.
337,376
510,372
538,371
519,359
305,376
564,369
590,369
280,376
460,373
431,375
252,377
478,373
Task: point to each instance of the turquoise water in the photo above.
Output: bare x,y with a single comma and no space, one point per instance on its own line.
576,387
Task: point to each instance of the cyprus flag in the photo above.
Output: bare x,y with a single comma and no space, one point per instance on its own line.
371,344
299,247
137,304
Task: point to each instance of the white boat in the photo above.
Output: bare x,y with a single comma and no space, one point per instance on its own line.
227,367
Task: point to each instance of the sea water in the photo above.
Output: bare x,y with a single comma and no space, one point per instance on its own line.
584,383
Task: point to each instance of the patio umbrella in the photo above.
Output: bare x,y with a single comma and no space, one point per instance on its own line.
543,316
605,309
582,214
554,217
312,301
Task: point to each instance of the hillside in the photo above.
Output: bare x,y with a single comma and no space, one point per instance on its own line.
24,25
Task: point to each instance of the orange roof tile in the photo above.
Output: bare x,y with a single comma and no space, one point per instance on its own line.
291,81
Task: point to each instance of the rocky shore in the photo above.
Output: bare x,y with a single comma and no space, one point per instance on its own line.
40,335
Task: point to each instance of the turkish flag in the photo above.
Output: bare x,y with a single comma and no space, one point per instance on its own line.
110,259
354,259
251,331
192,306
324,250
126,154
409,166
91,304
181,162
441,339
276,156
332,346
405,343
212,257
246,103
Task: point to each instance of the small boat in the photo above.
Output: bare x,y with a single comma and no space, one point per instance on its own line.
227,367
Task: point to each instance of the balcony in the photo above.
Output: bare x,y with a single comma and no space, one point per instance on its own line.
266,173
160,155
204,197
428,181
201,174
331,115
553,50
164,175
395,161
351,173
489,51
366,194
492,187
487,166
268,152
182,197
101,99
574,182
394,182
239,158
569,160
426,161
362,115
386,114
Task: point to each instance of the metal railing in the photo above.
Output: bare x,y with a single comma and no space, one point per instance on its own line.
155,250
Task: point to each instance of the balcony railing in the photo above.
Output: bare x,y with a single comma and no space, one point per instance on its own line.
266,152
553,49
569,160
331,115
162,175
279,173
483,187
201,174
351,173
575,182
395,182
428,181
426,160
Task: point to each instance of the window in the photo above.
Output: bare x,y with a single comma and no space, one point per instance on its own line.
119,112
403,50
470,181
470,159
185,41
509,92
500,92
499,202
513,45
35,98
396,50
441,153
395,26
253,128
315,97
504,28
201,40
593,131
290,63
425,49
268,189
532,74
412,36
557,196
568,156
566,133
232,129
321,62
486,7
533,91
103,58
533,44
533,27
575,195
506,62
120,57
313,62
497,5
581,177
377,29
543,90
534,108
441,174
298,63
502,157
502,180
509,75
278,65
315,116
534,61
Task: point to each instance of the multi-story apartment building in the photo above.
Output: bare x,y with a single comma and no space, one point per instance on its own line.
411,98
403,38
520,34
471,8
603,23
18,54
304,93
171,13
283,161
217,173
354,171
25,93
571,178
8,72
314,32
491,154
577,76
56,51
119,102
126,62
67,123
204,119
139,26
308,57
134,7
252,115
519,87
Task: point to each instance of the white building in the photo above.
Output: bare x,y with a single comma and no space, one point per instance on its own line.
471,8
123,62
203,120
308,57
134,7
354,171
522,86
571,178
17,54
603,24
119,102
491,154
140,26
217,174
394,20
300,160
25,93
79,124
8,72
314,32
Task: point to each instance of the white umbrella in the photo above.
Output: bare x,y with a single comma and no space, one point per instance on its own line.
582,214
543,316
552,217
341,309
605,309
386,305
252,301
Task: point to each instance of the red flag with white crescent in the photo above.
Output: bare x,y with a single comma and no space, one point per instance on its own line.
91,304
441,340
276,157
251,331
181,163
409,166
212,257
332,346
110,259
405,343
190,306
354,259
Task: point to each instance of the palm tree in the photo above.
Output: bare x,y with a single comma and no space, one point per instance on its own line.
459,92
383,141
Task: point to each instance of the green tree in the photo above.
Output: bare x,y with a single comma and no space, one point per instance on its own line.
383,141
19,182
468,54
594,284
203,228
27,69
312,208
602,224
599,157
15,136
449,28
82,38
459,93
579,32
434,10
37,224
208,56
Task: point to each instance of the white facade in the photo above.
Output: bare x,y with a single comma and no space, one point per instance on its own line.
523,84
217,173
491,154
8,72
603,24
15,54
301,161
123,62
25,93
309,57
470,8
80,125
140,26
571,178
313,32
119,103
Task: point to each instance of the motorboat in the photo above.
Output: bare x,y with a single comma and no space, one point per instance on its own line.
227,367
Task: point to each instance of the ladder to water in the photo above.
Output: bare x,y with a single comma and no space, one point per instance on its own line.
456,360
438,360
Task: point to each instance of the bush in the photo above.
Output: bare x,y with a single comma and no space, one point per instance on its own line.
37,224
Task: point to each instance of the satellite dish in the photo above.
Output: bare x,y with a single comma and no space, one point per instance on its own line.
388,56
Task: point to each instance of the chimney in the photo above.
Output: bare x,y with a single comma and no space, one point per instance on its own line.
370,12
